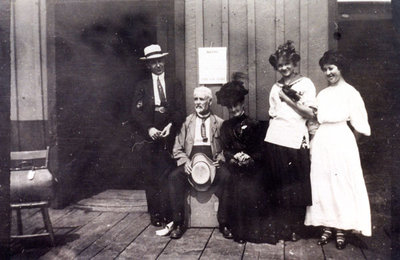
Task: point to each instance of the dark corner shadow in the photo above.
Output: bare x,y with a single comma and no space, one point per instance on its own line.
357,241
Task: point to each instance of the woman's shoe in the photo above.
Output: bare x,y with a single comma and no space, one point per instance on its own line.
295,237
240,241
325,237
340,240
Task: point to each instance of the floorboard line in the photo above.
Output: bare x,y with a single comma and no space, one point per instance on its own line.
103,235
163,248
323,252
244,250
133,240
205,246
141,214
284,250
362,252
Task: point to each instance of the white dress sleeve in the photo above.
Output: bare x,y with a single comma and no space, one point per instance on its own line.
273,103
358,115
309,93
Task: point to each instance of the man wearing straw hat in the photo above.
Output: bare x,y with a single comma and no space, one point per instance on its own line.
158,109
197,148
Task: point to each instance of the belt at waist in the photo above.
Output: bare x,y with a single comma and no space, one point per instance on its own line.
160,109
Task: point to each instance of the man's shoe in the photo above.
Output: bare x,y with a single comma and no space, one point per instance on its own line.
226,232
156,220
177,232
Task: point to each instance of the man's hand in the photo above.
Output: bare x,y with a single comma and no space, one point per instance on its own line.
217,164
188,168
154,133
242,159
165,132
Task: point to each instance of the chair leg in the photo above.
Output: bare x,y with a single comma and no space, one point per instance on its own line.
47,224
19,222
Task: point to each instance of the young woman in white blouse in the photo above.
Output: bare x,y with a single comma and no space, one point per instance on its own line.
340,199
287,141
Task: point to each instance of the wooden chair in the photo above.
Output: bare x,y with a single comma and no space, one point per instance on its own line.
31,186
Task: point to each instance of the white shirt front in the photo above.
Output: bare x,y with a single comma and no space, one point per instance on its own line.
286,127
157,100
198,140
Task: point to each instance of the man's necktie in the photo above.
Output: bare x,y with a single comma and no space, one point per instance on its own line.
161,93
203,130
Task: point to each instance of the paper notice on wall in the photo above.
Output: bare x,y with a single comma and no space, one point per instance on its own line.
213,65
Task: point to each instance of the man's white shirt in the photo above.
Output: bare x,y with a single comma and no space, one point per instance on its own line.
157,100
198,140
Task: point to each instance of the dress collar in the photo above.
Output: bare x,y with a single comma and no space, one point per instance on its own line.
295,80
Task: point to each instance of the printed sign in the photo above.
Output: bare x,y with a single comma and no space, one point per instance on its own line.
213,65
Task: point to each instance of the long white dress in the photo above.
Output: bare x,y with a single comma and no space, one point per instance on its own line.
339,194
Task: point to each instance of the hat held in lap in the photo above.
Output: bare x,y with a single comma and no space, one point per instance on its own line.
203,172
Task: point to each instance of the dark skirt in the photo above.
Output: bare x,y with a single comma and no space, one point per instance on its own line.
290,185
250,212
290,173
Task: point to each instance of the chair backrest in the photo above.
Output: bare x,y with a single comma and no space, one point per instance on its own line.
31,155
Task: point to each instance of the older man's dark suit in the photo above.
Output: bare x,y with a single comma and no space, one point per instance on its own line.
157,154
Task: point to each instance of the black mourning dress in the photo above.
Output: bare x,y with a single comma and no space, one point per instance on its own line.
249,216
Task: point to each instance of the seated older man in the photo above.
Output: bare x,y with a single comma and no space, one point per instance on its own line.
199,134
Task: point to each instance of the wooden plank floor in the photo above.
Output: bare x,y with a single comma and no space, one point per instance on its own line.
106,234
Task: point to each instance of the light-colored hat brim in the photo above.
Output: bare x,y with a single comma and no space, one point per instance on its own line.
154,56
205,162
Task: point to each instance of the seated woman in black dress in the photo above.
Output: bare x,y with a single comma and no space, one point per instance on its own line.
242,139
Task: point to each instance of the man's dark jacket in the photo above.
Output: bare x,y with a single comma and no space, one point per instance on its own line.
143,106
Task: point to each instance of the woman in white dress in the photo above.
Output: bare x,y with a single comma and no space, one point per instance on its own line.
339,195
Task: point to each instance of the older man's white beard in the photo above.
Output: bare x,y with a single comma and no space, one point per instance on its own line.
201,112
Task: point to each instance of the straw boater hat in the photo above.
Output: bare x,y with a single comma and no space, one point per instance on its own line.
153,52
203,172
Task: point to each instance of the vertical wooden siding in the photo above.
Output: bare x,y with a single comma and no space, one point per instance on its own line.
28,78
252,30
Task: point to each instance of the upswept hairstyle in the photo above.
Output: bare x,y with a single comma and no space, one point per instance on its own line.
287,51
233,91
335,58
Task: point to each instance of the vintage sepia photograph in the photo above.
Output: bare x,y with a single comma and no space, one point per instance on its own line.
199,129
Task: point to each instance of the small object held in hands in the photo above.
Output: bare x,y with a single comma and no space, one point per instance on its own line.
292,94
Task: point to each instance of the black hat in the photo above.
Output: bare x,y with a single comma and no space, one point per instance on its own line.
231,93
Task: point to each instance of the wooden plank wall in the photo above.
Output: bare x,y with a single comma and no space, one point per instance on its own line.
29,76
252,30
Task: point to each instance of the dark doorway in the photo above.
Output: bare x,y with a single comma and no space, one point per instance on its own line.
97,47
368,38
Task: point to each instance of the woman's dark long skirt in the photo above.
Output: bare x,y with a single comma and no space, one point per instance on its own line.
250,216
291,186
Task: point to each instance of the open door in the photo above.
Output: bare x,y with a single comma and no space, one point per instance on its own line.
96,47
